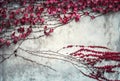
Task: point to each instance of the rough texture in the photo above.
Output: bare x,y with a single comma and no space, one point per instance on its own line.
104,30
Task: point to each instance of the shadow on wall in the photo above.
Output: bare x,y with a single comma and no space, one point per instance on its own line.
118,42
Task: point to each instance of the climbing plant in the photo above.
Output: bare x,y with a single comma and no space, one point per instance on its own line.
20,19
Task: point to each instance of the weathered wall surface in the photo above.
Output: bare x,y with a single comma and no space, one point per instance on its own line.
104,30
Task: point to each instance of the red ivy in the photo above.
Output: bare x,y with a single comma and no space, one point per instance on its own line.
31,12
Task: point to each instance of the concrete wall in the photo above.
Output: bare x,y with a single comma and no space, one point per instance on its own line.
104,30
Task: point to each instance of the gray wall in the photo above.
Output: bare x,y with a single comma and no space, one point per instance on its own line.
103,31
